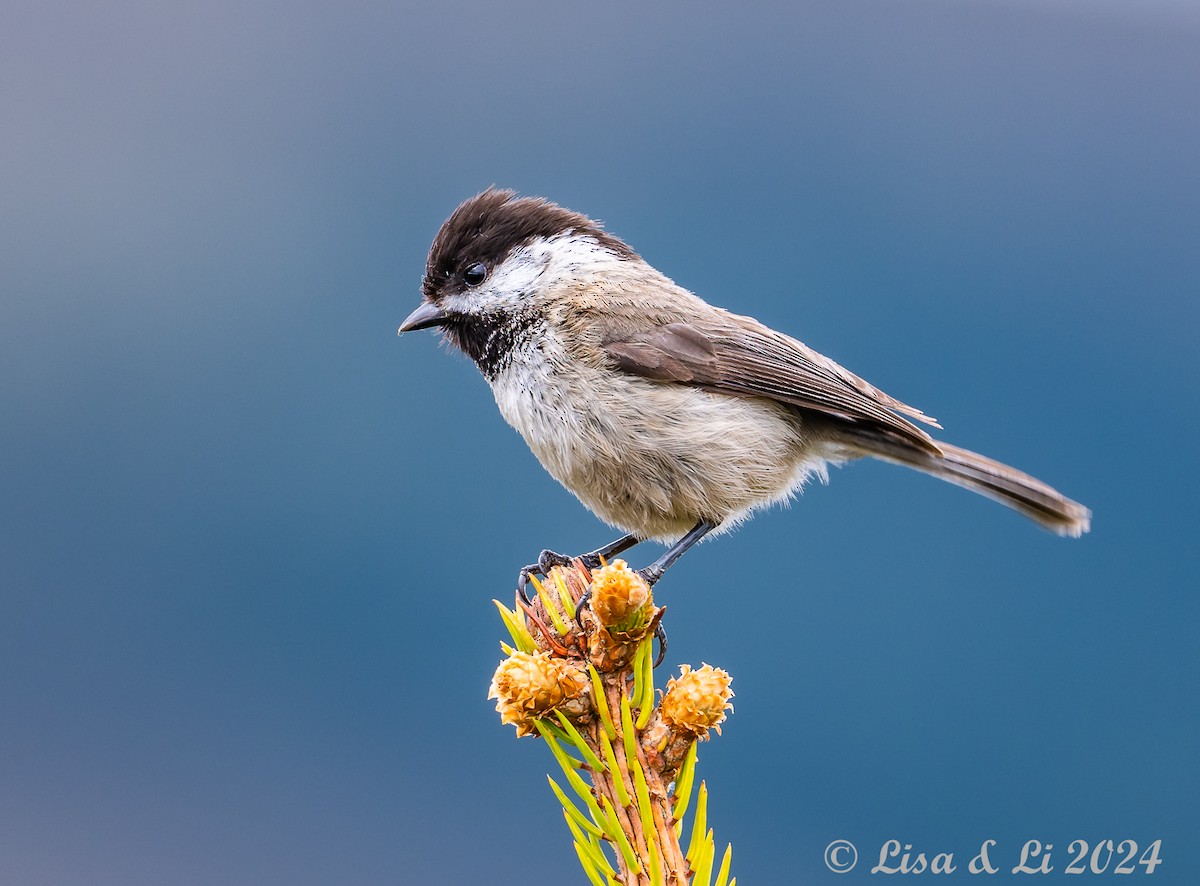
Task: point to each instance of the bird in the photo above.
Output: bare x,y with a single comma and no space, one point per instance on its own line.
669,418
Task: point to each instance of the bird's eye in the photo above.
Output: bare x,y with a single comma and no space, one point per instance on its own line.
474,275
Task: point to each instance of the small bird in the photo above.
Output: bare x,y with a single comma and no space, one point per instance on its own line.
667,417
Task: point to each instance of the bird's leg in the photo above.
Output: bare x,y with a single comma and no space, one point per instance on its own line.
622,544
547,560
655,570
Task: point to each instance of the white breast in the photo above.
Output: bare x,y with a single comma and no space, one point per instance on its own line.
534,395
651,458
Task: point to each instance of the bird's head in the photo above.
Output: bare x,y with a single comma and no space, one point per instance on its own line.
500,260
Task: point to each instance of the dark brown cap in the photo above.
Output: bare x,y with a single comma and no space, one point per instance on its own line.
491,225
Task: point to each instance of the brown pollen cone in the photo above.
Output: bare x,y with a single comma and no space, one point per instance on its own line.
696,701
622,612
528,686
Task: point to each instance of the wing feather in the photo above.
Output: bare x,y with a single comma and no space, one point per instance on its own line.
742,357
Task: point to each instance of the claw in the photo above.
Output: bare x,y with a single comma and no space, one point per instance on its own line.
546,561
583,601
523,581
660,634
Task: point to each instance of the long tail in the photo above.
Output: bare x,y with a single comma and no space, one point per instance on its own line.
1007,485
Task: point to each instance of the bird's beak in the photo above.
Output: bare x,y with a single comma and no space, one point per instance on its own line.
428,314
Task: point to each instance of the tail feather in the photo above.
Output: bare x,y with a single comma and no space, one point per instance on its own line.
997,481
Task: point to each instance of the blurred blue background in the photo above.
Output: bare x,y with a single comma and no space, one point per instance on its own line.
248,538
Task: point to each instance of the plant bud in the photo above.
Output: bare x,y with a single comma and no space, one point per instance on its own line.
696,701
621,601
528,686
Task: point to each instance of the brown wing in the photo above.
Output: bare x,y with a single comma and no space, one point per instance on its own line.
742,357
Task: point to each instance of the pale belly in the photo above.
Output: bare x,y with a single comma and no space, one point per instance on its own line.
651,458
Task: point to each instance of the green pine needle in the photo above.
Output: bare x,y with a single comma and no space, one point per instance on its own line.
548,605
723,873
655,865
564,594
703,864
573,811
646,700
699,823
645,810
639,672
683,786
601,703
589,756
590,846
611,758
573,779
627,734
588,868
622,841
516,630
552,732
598,850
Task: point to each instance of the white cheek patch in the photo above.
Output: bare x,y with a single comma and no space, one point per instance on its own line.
538,265
514,277
508,286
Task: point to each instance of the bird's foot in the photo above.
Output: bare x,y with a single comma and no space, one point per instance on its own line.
546,561
594,560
